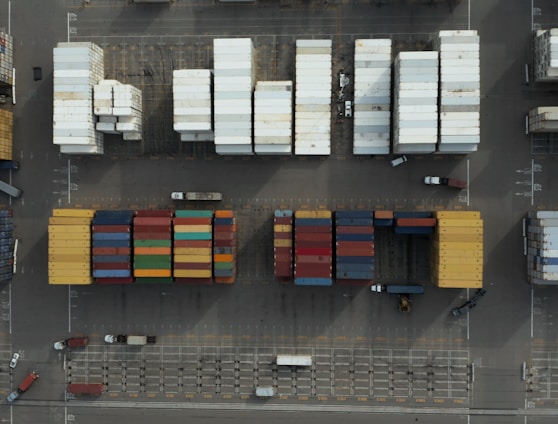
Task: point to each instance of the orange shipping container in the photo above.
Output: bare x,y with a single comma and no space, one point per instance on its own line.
152,272
383,214
223,258
224,280
224,214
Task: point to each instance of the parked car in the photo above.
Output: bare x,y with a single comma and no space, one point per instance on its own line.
14,361
398,161
12,396
470,304
348,109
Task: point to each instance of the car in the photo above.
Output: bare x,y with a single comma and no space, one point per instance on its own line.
470,304
348,109
12,396
15,359
178,195
398,161
60,345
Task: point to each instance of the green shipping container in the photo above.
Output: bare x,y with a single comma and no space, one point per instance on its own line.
193,236
152,243
154,280
223,265
193,214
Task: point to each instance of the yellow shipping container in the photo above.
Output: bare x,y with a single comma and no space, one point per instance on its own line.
192,251
282,228
446,275
459,230
457,253
282,243
459,284
78,213
193,229
446,245
69,236
68,273
193,258
457,214
457,238
312,214
152,273
460,222
192,273
468,268
458,260
69,229
60,257
70,280
69,243
69,251
68,221
68,265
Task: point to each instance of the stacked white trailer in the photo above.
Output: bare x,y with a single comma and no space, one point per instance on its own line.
233,87
313,97
459,91
191,91
273,117
372,101
546,55
415,108
6,59
543,119
119,109
77,68
541,234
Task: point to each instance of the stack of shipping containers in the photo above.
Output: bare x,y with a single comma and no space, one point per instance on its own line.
191,92
546,55
354,254
459,91
152,246
415,107
543,119
6,245
234,83
283,245
111,249
313,248
69,246
273,117
77,68
383,218
542,247
102,106
457,250
414,222
224,246
372,103
192,246
6,134
6,59
313,97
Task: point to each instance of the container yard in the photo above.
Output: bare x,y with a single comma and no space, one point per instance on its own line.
545,51
283,245
77,68
192,246
541,240
459,91
6,134
192,104
313,97
372,101
224,246
415,102
234,79
6,59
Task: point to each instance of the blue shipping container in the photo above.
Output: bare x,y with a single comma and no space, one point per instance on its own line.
354,214
283,213
354,237
355,221
354,275
111,273
387,222
547,261
223,250
223,273
110,243
111,221
313,281
223,221
354,259
111,258
111,236
355,267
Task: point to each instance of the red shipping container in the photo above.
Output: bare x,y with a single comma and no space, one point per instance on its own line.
111,265
313,236
313,229
224,243
152,236
191,265
355,252
111,251
283,269
224,236
111,228
310,244
355,244
312,251
282,258
313,259
312,270
158,212
192,221
283,220
181,280
283,236
346,229
193,243
119,280
416,222
224,228
283,250
152,221
152,228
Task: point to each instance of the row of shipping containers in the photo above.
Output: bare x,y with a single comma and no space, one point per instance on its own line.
6,59
6,134
541,238
7,243
546,55
414,222
224,246
283,244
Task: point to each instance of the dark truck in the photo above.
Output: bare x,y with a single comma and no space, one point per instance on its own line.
402,290
71,342
450,182
93,389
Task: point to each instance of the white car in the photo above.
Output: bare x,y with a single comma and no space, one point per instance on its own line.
60,345
15,359
348,109
398,161
178,195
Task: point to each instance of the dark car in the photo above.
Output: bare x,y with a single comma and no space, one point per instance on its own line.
470,304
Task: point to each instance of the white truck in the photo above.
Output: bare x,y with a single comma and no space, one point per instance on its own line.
130,340
196,195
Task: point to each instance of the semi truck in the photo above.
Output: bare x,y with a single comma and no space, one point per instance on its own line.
10,189
94,389
130,339
402,290
196,195
24,386
71,342
450,182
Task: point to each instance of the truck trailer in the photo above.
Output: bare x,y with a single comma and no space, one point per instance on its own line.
94,389
450,182
402,290
130,339
71,342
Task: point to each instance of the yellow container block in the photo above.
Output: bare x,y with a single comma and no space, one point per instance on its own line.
53,220
69,251
459,268
460,222
458,238
193,229
192,273
283,228
204,259
282,243
459,284
78,213
313,214
223,258
68,265
152,273
445,275
152,250
69,236
446,245
60,257
69,273
192,251
459,260
457,214
70,280
459,230
86,244
69,229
